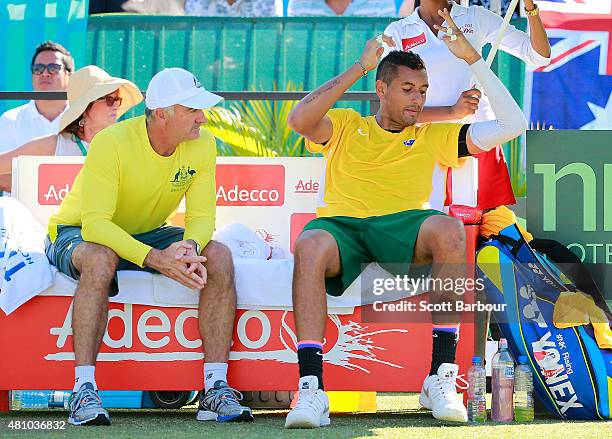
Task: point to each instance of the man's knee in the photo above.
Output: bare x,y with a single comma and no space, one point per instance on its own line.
449,235
315,246
218,258
96,259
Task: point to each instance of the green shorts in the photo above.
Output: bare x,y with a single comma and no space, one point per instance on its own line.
388,240
60,251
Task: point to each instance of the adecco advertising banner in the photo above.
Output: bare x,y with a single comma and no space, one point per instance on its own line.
148,348
569,195
275,197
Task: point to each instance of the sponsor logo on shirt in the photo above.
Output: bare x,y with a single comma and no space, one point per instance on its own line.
467,28
250,185
182,178
409,142
55,181
409,43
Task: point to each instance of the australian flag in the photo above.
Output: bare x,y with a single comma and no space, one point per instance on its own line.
575,90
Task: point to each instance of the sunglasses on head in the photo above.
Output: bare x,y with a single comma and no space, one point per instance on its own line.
38,69
110,100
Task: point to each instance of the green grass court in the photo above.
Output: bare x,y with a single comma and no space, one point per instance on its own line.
397,417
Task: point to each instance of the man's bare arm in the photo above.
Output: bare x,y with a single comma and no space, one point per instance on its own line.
309,118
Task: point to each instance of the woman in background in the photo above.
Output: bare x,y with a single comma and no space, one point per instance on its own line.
95,101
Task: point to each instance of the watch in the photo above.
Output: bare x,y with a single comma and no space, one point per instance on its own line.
197,246
533,12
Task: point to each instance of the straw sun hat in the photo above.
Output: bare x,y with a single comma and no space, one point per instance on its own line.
91,83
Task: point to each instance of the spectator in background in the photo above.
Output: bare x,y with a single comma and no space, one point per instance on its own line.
234,8
504,6
51,68
150,7
342,8
96,100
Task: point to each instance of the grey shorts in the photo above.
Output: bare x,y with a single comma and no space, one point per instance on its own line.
59,252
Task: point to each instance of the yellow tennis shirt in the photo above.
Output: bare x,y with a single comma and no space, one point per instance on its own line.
126,188
372,172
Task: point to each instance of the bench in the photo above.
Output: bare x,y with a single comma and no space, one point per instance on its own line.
158,348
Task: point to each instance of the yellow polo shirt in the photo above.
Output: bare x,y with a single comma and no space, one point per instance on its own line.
372,172
126,188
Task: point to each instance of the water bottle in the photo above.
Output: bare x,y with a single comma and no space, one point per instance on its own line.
29,399
58,399
502,384
477,403
523,392
16,399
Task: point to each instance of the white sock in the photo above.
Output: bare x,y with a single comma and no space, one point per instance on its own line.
84,374
214,372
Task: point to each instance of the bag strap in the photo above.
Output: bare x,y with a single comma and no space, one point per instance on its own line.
574,268
513,244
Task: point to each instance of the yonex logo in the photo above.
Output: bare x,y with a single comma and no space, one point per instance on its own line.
409,142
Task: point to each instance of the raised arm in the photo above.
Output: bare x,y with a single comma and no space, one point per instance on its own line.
510,122
309,119
533,48
537,33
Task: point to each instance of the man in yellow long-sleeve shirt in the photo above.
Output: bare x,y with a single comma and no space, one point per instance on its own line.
134,177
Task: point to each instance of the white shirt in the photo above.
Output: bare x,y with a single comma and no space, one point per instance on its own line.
449,76
66,146
320,8
22,124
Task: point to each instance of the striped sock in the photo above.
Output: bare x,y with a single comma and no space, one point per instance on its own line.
310,359
445,339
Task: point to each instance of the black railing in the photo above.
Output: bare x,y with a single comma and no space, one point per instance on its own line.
229,95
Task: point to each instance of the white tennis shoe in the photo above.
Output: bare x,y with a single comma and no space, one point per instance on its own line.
312,408
439,394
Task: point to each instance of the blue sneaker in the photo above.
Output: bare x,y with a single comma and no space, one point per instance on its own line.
86,407
221,404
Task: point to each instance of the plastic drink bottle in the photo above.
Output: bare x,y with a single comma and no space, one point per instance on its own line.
502,384
523,391
477,403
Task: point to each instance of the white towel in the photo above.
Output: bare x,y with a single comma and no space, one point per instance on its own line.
25,268
245,243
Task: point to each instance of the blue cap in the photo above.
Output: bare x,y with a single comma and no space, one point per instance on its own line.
476,360
522,359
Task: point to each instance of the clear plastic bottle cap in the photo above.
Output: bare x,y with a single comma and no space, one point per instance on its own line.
476,360
522,359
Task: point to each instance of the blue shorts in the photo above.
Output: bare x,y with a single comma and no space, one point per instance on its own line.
59,252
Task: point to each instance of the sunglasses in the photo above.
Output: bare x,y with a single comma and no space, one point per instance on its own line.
39,69
110,100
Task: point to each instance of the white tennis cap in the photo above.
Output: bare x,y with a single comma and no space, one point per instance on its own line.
178,86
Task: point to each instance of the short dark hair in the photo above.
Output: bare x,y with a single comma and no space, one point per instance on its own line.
51,46
387,69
